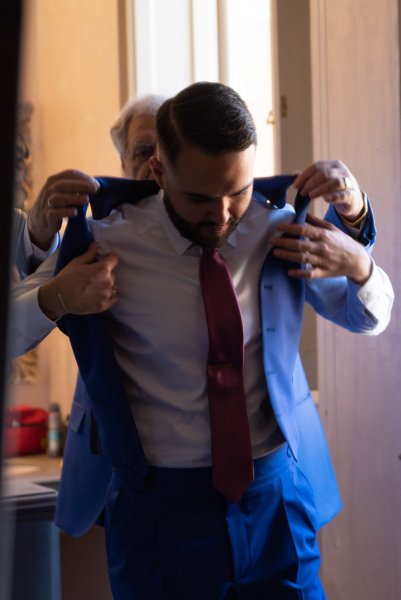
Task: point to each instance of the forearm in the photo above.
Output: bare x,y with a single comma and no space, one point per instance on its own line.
30,256
364,233
28,325
358,308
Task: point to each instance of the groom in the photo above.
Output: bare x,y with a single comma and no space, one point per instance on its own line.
203,447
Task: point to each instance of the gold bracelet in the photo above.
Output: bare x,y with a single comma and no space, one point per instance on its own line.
61,300
361,216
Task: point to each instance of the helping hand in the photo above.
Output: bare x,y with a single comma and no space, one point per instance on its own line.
85,286
58,198
332,180
326,250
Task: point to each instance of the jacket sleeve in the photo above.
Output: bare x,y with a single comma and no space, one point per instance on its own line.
362,309
366,234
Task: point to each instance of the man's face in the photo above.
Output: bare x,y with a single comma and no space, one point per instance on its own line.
141,143
206,196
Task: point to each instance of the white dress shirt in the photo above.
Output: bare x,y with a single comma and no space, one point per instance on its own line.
158,327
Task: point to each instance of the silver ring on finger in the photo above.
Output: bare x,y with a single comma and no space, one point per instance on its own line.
346,183
307,264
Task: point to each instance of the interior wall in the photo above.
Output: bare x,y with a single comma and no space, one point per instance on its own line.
296,133
295,86
356,109
70,72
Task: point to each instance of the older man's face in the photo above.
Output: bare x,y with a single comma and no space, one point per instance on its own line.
141,143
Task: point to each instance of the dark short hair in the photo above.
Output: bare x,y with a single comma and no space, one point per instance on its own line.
208,116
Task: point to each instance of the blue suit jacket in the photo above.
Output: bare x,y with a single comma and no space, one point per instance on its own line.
102,435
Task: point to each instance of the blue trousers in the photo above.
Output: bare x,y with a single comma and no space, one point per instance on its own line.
179,539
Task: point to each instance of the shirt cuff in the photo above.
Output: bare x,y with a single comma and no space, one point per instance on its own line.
28,324
376,294
32,251
34,314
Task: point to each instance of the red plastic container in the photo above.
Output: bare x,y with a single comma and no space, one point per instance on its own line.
25,430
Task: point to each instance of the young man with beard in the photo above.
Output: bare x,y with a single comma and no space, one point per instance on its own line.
215,483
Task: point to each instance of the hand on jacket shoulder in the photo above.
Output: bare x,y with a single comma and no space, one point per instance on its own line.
324,249
58,198
333,181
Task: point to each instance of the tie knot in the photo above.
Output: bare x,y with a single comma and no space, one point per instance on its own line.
212,255
207,251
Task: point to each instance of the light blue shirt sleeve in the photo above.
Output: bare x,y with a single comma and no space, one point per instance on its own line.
28,325
25,255
359,308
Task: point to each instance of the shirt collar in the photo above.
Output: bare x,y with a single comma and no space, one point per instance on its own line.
180,243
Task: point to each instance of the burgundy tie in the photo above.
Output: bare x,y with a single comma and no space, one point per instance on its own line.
232,465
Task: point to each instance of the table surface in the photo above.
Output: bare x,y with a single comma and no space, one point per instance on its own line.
30,480
36,466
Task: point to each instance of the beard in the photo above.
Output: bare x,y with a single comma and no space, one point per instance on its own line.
204,233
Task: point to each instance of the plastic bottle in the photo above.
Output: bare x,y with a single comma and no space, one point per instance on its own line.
54,430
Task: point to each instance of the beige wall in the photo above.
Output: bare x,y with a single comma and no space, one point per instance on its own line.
356,102
70,72
296,148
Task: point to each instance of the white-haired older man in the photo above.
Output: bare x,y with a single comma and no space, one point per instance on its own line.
134,135
90,279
